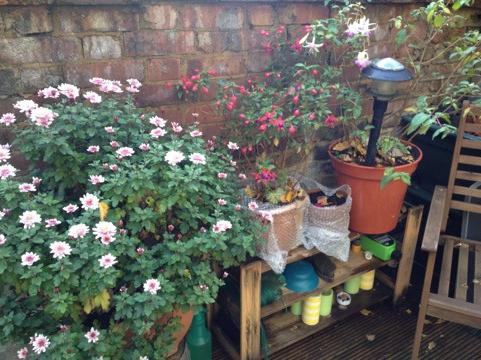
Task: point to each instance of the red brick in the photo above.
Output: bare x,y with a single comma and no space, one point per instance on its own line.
28,20
224,66
217,42
37,78
80,74
102,47
8,83
261,15
302,13
209,16
157,95
163,69
183,113
80,19
159,17
258,61
157,42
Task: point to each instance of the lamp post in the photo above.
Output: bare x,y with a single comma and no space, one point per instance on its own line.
386,74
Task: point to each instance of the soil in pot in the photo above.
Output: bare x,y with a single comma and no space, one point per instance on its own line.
320,199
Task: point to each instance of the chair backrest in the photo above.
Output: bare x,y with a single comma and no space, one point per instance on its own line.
466,164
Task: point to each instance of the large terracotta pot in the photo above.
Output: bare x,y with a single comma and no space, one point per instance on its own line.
374,210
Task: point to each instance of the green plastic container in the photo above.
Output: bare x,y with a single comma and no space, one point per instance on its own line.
351,286
326,302
296,308
381,247
199,338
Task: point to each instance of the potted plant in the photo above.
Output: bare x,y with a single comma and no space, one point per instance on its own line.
116,229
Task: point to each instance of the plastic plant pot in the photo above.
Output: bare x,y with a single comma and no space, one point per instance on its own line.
301,276
343,299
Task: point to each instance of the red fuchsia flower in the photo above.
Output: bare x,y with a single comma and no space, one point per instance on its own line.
7,171
204,89
93,149
307,29
92,335
312,116
212,72
278,123
230,106
124,152
78,231
22,353
265,33
60,249
93,97
268,48
40,343
314,72
70,208
265,176
331,121
296,46
29,219
281,29
26,187
29,258
52,222
263,127
144,147
295,100
107,261
292,130
89,202
296,112
7,119
48,93
152,286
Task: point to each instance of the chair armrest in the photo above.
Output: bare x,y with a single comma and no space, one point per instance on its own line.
435,219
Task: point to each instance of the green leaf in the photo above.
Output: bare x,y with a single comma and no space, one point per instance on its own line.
401,37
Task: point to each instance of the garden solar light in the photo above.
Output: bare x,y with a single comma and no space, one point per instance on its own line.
386,75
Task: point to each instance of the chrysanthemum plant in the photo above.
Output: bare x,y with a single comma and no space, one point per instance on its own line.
121,219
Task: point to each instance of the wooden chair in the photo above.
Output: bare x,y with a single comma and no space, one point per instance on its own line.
466,279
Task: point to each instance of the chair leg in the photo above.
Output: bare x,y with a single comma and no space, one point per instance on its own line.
419,334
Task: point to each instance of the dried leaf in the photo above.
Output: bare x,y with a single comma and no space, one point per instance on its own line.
341,146
427,322
431,345
370,337
366,312
409,311
440,321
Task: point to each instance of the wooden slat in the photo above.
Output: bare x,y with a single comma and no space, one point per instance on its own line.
446,268
471,144
464,206
463,190
455,310
458,240
468,175
435,219
470,160
470,127
462,273
477,275
225,342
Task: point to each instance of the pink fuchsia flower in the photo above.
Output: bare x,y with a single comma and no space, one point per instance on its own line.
4,152
96,81
89,202
242,176
114,144
152,286
144,147
221,226
3,239
36,181
125,152
222,175
26,187
48,93
93,149
52,222
157,132
92,335
362,60
42,116
196,133
93,97
232,146
174,157
25,106
109,129
252,206
60,249
7,119
29,258
361,27
113,167
331,121
107,261
7,171
105,231
22,353
69,91
176,127
29,219
70,208
157,121
221,202
40,343
78,231
96,179
197,159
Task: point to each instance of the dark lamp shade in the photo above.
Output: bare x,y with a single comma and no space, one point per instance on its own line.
385,74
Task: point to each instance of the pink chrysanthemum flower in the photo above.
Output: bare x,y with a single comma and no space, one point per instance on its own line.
70,208
221,202
221,226
7,119
176,127
68,90
96,179
89,202
134,83
22,353
43,117
196,133
174,157
7,171
26,187
109,86
93,149
232,146
266,216
29,258
221,175
238,207
109,129
92,335
125,152
105,231
113,167
78,231
93,97
195,115
107,261
4,152
3,239
157,121
36,181
132,89
197,158
25,106
96,80
252,206
152,286
144,147
157,132
29,219
40,343
143,358
48,93
114,144
52,222
233,163
60,249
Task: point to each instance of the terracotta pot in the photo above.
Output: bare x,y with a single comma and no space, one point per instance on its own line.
374,210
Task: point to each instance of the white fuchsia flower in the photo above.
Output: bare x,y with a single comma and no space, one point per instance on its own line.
40,343
312,46
176,127
125,152
105,231
96,179
174,157
93,149
60,249
25,106
114,144
69,91
107,261
362,60
221,226
36,181
232,146
157,121
29,219
29,258
89,202
3,239
221,175
52,222
22,353
48,93
7,171
252,206
196,133
96,80
152,286
7,119
4,152
109,129
361,27
144,147
93,97
26,187
157,132
221,202
197,158
78,231
92,335
70,208
43,117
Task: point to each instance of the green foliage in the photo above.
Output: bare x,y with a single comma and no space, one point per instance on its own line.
390,174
